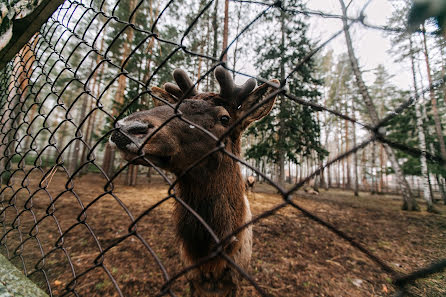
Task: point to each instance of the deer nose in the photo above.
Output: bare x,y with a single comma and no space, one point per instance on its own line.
120,139
137,129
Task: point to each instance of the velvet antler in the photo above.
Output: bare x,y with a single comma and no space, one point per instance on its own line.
185,85
229,90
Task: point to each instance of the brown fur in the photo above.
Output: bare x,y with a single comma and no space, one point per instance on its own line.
214,188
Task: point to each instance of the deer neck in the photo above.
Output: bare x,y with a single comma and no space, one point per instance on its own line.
216,192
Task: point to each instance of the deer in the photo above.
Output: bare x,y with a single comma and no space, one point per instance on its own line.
250,182
213,187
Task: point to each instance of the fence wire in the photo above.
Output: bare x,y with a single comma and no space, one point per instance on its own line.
55,89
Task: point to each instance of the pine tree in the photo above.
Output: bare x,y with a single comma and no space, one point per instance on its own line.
290,129
409,201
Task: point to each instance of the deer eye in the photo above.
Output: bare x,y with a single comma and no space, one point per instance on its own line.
224,119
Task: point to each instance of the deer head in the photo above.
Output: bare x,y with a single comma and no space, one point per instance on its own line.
172,143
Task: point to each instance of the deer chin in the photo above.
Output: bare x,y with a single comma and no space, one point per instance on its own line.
161,161
157,160
147,160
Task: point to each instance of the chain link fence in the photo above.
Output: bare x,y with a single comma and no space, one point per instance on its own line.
57,117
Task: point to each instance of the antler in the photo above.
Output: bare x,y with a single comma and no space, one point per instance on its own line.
229,90
185,85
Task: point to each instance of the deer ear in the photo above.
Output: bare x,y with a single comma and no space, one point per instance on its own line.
158,95
259,94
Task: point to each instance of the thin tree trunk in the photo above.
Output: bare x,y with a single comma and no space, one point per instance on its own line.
437,120
281,165
239,16
225,30
74,161
421,137
373,168
215,29
441,188
409,202
347,147
364,172
381,161
119,95
149,175
355,156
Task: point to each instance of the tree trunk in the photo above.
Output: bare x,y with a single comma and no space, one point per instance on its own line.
239,16
409,202
328,184
365,183
355,156
225,31
96,82
119,95
215,46
438,129
373,168
421,137
381,161
75,162
131,175
348,184
281,153
441,188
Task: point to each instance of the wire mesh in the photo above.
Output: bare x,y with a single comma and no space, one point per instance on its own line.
53,95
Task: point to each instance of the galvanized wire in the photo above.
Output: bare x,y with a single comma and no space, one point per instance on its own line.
35,101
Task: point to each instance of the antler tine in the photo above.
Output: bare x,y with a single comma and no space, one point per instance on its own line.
184,85
229,90
225,81
184,82
244,90
173,89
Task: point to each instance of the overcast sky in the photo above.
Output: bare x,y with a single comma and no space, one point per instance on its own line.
371,45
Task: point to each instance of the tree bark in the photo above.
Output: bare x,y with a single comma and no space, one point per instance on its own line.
441,187
215,46
281,165
119,95
438,128
355,156
225,30
421,137
373,168
348,184
409,202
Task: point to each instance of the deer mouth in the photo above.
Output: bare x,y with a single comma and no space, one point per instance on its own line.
157,160
132,157
148,160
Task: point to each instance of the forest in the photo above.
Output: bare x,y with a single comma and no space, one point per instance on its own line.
293,141
345,136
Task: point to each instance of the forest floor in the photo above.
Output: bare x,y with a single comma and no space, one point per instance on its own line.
292,255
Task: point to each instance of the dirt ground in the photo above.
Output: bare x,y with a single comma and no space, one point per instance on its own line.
292,255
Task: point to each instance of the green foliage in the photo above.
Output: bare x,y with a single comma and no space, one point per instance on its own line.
402,129
290,129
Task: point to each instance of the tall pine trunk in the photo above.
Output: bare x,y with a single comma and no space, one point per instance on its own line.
355,156
421,136
281,153
225,30
438,129
409,202
348,184
109,155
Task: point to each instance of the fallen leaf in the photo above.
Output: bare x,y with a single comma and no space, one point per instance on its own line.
57,282
357,282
